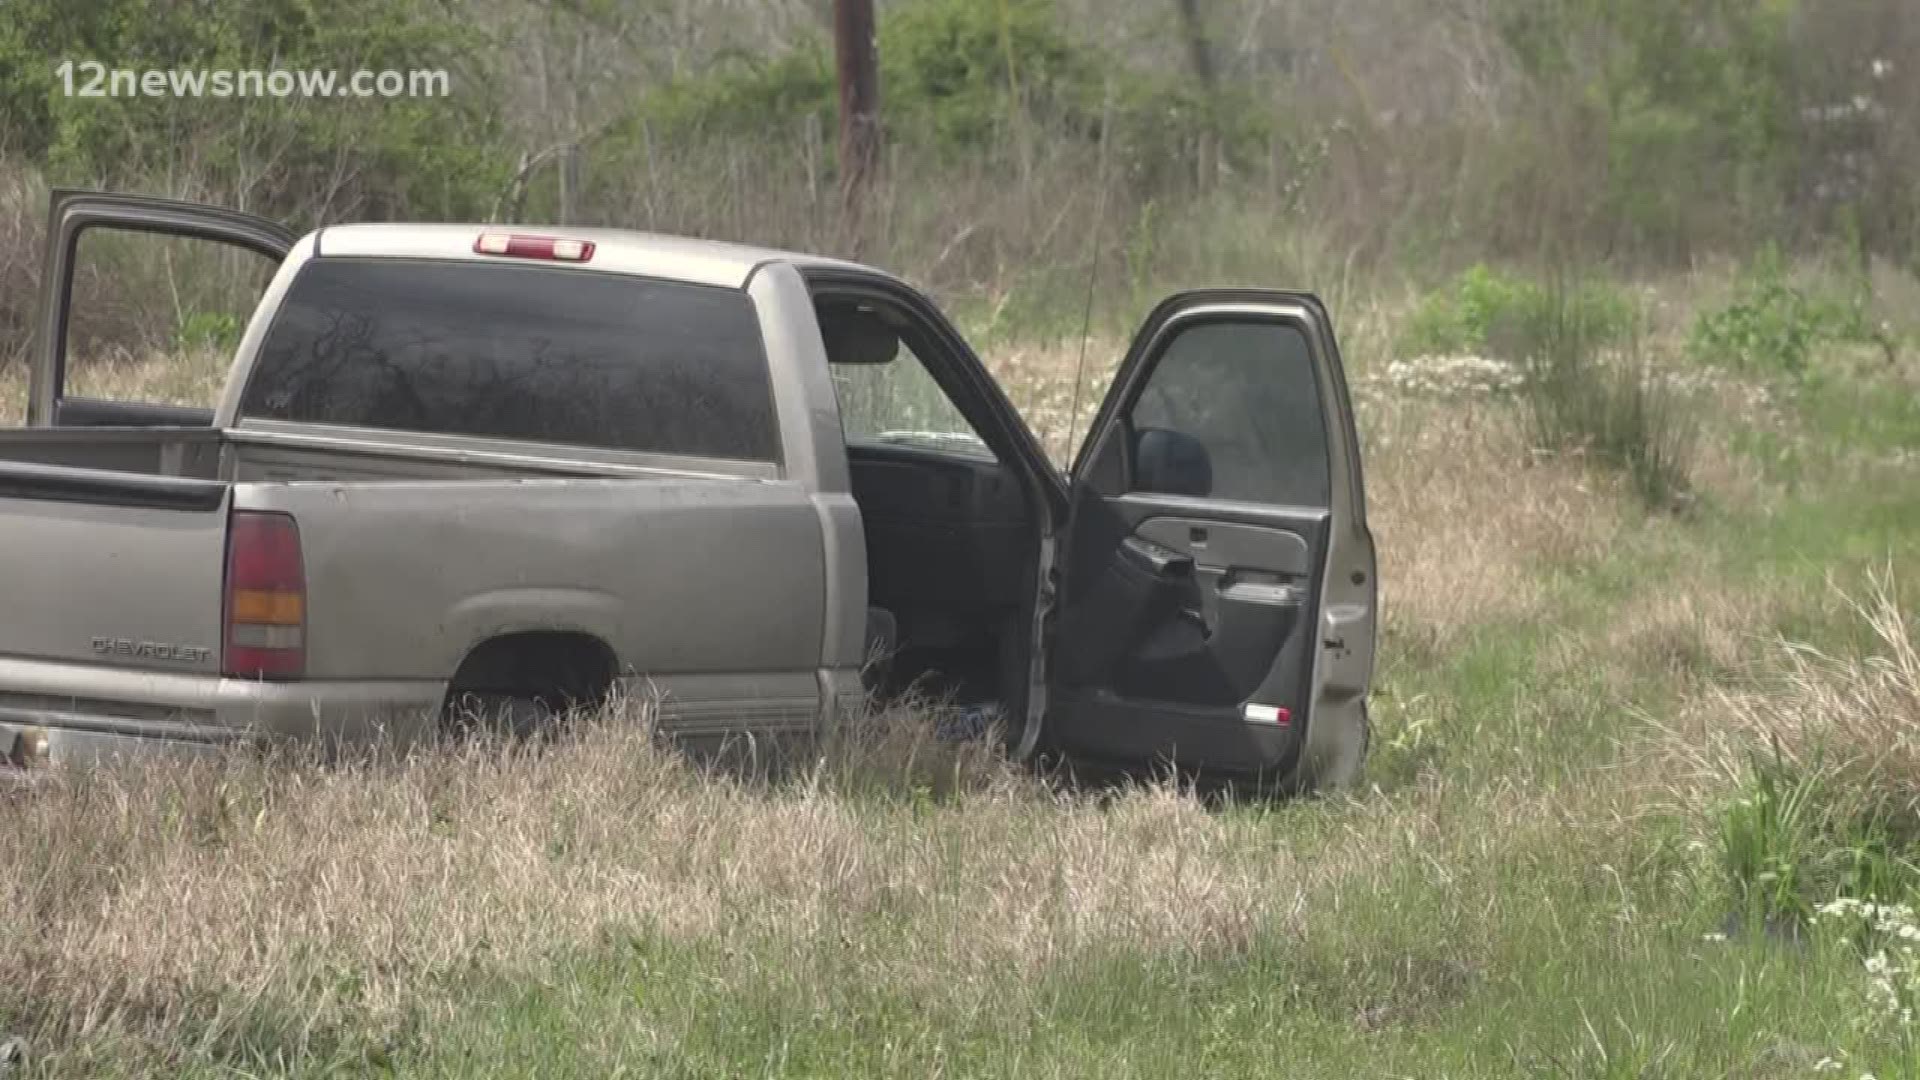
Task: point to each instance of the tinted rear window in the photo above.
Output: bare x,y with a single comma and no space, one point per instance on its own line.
518,352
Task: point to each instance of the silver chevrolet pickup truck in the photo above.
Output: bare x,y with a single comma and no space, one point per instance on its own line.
479,467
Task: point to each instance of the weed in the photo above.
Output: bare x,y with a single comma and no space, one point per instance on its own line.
1788,842
1617,409
1773,326
1490,311
203,331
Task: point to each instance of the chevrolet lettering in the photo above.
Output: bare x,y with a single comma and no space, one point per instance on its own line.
152,650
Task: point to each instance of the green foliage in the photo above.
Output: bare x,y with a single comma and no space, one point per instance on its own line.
951,69
1773,326
1687,99
1794,837
429,156
1490,311
743,95
216,331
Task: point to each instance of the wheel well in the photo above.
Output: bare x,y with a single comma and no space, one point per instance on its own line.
577,667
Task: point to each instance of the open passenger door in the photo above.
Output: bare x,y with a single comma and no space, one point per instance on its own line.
1218,606
74,213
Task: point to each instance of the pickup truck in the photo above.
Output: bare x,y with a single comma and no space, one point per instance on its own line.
466,467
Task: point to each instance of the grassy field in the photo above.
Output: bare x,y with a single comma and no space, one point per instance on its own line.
1605,790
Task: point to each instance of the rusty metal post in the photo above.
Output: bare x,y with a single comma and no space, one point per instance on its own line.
857,58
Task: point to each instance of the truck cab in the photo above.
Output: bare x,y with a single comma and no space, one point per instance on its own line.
539,465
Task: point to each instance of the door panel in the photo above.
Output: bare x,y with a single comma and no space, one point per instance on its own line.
1192,614
73,214
1234,611
1217,485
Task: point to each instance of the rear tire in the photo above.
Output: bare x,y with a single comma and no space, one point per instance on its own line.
491,713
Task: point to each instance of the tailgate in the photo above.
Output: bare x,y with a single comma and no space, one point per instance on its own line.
111,568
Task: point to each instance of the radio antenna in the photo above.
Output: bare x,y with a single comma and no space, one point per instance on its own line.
1093,274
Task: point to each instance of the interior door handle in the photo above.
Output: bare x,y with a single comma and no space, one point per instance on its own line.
1161,560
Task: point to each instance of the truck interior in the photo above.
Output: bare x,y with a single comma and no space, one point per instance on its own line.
951,531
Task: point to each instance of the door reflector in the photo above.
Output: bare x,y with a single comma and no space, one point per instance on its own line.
1267,714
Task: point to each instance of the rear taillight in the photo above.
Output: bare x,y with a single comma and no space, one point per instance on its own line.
266,624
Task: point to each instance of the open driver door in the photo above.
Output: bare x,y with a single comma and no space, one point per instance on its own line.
1218,607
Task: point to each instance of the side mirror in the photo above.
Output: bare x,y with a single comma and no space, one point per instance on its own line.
1169,462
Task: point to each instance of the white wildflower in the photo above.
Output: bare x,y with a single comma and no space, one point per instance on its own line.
1892,970
1447,376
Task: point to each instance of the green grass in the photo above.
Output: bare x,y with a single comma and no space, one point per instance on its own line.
1544,963
1279,1009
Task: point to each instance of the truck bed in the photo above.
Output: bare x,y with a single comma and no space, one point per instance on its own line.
116,540
152,451
196,453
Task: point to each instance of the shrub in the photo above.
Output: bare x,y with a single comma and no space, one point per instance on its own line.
1687,100
743,95
1773,326
375,156
951,68
1616,409
1490,311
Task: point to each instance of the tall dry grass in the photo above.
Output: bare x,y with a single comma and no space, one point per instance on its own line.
1855,715
180,910
1467,516
13,396
23,207
193,377
158,894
